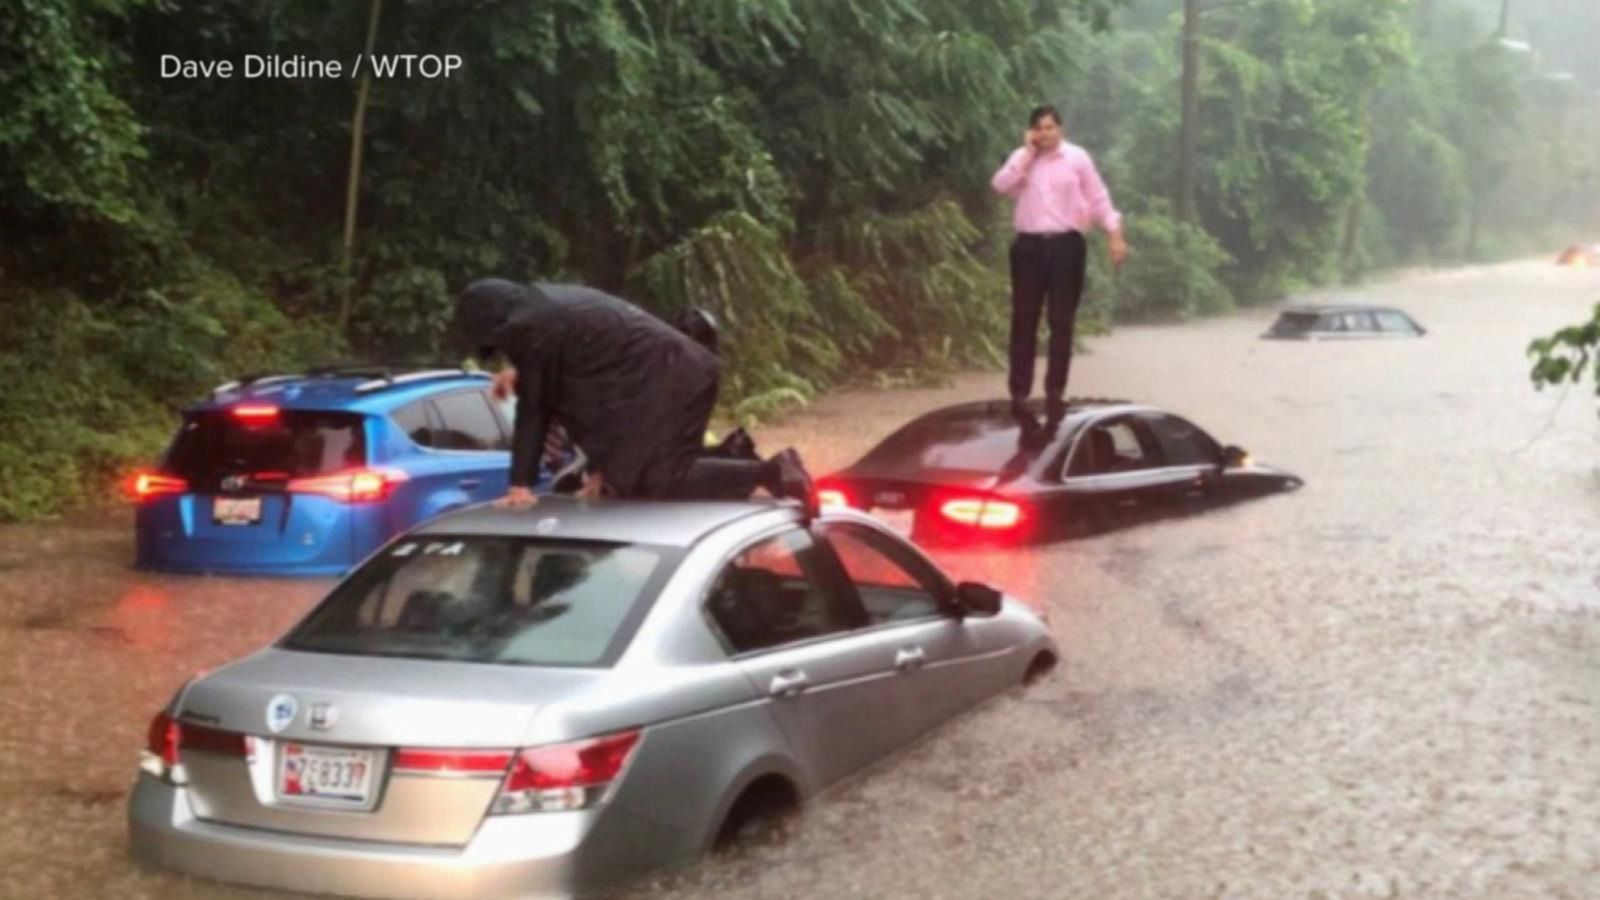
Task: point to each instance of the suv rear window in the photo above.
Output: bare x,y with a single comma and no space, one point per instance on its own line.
1295,323
489,600
214,444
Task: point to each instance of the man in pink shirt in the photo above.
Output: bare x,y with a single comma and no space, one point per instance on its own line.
1058,195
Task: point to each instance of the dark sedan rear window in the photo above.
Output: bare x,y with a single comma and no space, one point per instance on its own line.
966,444
490,600
292,443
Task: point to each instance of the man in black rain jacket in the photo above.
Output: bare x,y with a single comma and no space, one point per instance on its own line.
633,392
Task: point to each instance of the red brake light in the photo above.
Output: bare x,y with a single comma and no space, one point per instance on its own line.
167,736
146,485
452,762
356,486
258,412
565,776
163,740
982,512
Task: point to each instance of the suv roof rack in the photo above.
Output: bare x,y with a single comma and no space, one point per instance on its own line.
378,375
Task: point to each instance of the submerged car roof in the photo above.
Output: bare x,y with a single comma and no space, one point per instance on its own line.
360,391
1325,308
672,523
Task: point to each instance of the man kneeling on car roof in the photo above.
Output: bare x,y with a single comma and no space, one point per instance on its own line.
634,393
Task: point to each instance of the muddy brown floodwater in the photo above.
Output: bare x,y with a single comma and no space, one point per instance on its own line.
1384,685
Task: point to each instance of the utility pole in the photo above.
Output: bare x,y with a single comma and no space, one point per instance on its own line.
1189,124
353,188
1505,18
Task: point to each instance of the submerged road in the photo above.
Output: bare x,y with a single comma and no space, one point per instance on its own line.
1384,685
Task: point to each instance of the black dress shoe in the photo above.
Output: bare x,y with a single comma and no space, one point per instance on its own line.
795,482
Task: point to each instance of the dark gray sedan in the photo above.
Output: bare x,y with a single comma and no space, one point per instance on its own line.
532,703
980,472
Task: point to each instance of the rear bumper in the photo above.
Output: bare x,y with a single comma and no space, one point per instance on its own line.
187,568
510,856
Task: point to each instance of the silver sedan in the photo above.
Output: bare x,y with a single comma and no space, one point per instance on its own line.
535,703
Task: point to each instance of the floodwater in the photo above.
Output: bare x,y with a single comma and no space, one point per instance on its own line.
1384,685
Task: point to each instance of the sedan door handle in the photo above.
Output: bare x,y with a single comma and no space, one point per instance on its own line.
909,658
470,483
788,684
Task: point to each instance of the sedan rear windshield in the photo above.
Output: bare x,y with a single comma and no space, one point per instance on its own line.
215,444
490,600
979,443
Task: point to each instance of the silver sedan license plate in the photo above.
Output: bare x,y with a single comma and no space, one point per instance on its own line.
326,776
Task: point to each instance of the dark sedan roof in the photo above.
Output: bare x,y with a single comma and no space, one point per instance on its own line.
616,521
984,436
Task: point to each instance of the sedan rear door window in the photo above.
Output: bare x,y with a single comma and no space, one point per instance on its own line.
775,593
1110,448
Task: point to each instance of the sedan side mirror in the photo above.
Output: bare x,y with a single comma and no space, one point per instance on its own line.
1234,456
974,599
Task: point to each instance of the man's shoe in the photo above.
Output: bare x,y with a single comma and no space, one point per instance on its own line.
1019,407
795,482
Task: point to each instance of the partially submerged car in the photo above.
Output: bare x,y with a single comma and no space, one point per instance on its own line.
1343,322
979,471
307,473
535,702
1579,256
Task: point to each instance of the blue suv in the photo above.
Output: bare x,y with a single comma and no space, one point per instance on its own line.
307,474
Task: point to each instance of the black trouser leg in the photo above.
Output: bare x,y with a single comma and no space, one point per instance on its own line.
1028,286
716,478
1068,257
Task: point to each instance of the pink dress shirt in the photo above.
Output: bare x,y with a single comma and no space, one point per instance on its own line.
1060,191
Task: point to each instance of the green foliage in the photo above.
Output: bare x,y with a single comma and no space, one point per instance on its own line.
89,387
1175,274
66,140
1568,355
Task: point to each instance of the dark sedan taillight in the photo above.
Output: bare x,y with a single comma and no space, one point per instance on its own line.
988,513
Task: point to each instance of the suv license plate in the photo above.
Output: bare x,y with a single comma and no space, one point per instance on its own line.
236,510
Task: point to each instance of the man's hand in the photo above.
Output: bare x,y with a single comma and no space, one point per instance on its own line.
1119,249
1030,143
517,498
505,383
594,486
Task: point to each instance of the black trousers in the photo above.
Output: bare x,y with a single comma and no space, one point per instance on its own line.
1047,272
683,468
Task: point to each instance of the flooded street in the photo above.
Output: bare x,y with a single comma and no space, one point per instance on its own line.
1384,685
